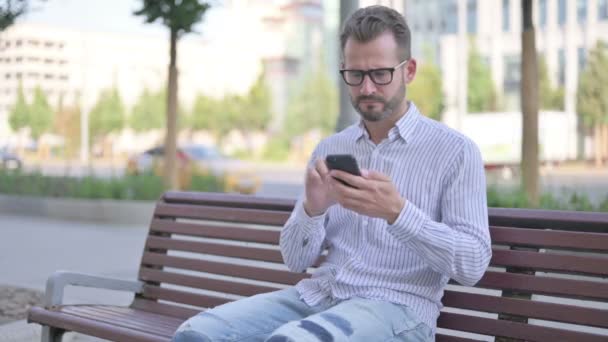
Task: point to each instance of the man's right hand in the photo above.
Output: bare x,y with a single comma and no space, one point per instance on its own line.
318,197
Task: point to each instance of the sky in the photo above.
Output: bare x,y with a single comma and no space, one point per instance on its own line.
107,16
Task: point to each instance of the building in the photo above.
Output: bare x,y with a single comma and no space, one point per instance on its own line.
565,31
282,38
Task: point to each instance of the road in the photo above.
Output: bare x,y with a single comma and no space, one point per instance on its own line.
286,180
32,248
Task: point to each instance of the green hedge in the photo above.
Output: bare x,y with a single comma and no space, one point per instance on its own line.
505,198
150,187
139,187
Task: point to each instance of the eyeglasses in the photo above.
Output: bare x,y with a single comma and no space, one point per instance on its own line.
381,76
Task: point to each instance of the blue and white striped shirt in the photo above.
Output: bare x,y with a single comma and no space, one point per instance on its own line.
441,233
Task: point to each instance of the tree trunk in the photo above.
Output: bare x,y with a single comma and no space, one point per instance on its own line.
605,144
170,167
597,142
529,101
347,115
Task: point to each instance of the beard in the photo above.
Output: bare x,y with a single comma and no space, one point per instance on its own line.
368,112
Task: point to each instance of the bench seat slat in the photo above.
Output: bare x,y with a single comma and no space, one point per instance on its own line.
247,272
528,332
113,332
595,265
178,296
252,216
232,287
253,253
450,338
583,289
228,200
166,309
158,325
128,312
233,232
549,238
527,308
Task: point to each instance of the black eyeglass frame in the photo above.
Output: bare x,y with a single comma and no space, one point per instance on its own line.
370,74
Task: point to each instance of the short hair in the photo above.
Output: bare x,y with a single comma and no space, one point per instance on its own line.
367,23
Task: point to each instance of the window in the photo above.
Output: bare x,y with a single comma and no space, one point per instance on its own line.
19,42
511,81
471,16
602,9
561,12
506,15
451,21
33,42
561,67
581,11
542,13
582,58
18,59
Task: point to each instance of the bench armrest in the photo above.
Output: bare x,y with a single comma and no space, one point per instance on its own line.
60,279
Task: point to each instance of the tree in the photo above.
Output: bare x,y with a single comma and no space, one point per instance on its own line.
347,114
10,10
66,123
481,94
179,16
592,97
549,97
529,105
107,115
314,106
19,116
257,111
206,114
148,112
427,89
41,114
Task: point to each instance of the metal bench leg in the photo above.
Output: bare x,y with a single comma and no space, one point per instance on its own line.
51,334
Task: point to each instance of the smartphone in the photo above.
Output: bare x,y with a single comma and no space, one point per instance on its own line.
343,162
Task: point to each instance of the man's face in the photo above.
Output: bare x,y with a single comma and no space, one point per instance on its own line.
376,102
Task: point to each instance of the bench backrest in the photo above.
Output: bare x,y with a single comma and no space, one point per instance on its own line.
548,268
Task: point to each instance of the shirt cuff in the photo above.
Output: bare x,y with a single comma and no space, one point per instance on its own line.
409,223
307,223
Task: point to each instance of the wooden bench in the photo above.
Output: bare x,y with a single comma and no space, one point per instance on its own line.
204,249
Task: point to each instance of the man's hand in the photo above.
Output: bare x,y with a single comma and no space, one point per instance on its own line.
374,194
318,195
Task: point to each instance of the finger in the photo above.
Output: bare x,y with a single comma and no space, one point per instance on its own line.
356,181
375,175
321,167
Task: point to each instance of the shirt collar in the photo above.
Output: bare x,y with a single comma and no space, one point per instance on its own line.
404,127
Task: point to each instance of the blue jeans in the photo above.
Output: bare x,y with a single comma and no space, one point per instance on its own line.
282,316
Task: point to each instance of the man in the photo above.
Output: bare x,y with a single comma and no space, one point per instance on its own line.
416,217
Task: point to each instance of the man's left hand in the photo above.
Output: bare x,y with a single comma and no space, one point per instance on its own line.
374,194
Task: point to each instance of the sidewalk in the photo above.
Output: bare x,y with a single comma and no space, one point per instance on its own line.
42,246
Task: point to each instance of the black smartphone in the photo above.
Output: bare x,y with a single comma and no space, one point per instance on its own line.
343,162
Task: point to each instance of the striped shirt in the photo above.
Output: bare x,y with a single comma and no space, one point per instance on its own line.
441,233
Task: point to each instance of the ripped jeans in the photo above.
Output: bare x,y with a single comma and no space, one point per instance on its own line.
282,316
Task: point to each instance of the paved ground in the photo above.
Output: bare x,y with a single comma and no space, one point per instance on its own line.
33,248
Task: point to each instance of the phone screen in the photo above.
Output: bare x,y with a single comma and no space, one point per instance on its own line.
343,162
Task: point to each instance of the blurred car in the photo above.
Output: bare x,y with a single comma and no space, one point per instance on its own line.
199,160
9,160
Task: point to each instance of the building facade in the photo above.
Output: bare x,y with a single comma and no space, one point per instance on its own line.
565,31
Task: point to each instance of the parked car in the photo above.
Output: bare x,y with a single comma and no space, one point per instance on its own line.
9,160
201,160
